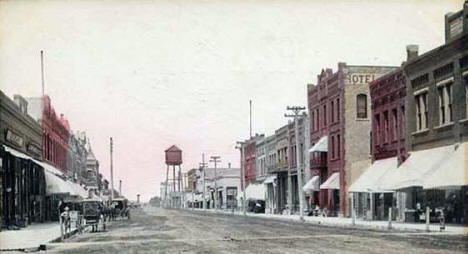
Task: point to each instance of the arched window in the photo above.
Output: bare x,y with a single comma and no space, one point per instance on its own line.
361,106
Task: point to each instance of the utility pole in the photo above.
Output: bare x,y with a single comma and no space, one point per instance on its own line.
203,167
215,159
250,117
111,169
240,146
120,188
42,72
296,112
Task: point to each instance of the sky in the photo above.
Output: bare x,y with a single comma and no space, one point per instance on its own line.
156,73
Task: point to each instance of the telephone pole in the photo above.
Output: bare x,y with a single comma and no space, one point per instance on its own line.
296,113
111,169
215,159
203,167
240,146
120,188
42,72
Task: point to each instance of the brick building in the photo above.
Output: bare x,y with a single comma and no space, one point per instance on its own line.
340,123
434,175
55,132
388,146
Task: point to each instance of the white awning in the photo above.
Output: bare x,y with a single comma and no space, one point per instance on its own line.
321,146
414,170
56,185
369,181
255,191
17,153
270,179
453,172
312,184
333,182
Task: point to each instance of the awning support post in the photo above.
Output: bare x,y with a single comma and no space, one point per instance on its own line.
427,218
389,218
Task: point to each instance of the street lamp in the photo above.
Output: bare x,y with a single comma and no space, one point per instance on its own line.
296,112
240,146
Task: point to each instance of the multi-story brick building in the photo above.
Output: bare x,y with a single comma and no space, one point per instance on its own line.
434,175
55,132
250,153
282,167
388,146
340,124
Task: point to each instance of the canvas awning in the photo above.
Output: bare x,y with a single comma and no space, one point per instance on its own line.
369,181
333,182
57,185
17,153
255,192
413,171
312,184
453,171
321,146
270,179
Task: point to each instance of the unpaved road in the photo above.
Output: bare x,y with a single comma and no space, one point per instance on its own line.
155,230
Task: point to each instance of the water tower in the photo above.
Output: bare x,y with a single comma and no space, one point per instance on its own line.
174,158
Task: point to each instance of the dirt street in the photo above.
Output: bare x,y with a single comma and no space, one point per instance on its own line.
155,230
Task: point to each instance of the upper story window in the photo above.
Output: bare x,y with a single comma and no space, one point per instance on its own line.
395,124
465,85
338,109
338,141
421,110
312,118
386,126
324,115
332,109
361,106
444,92
402,120
377,129
333,147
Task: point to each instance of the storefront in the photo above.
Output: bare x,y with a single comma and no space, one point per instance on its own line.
23,189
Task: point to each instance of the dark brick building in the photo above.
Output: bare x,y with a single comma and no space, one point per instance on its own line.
388,116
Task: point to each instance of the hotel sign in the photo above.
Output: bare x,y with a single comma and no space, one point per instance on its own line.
361,78
14,138
456,26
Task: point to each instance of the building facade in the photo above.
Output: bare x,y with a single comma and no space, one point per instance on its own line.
437,126
55,132
23,185
339,109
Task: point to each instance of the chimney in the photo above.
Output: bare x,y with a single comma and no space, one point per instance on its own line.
229,165
411,52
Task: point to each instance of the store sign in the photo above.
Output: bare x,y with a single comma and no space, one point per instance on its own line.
33,148
231,192
456,26
14,138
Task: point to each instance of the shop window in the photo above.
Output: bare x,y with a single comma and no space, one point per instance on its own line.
361,106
